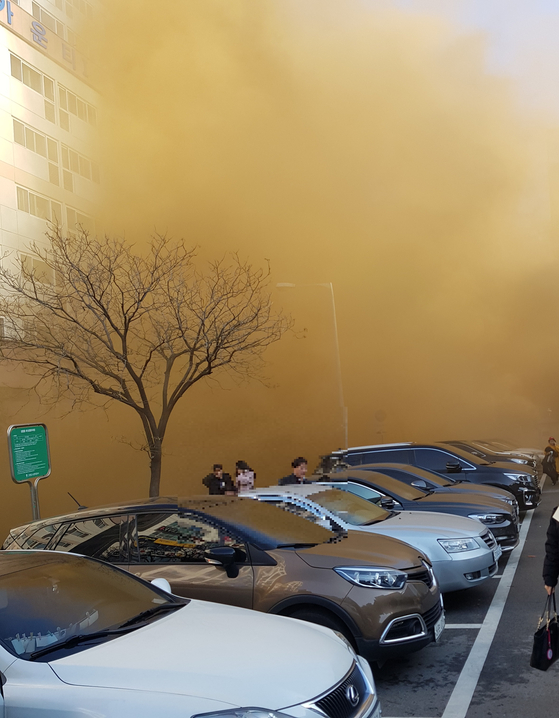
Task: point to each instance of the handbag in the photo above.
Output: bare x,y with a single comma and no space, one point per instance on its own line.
545,650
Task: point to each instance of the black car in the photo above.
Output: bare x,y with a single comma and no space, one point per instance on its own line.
430,482
486,455
396,495
444,460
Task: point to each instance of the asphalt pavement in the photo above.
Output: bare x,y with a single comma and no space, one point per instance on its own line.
480,667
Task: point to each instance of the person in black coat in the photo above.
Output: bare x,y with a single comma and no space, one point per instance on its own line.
551,561
299,471
219,483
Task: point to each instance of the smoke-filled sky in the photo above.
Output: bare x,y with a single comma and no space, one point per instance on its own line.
388,148
404,152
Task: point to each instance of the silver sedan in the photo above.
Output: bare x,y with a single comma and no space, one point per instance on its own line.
463,552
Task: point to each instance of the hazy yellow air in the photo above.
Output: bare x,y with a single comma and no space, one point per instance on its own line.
350,145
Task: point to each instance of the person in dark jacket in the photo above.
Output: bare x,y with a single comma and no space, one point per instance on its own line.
550,463
298,476
219,483
551,561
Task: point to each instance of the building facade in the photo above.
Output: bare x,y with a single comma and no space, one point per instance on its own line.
48,123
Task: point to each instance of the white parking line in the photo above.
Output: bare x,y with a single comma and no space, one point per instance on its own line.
464,625
461,697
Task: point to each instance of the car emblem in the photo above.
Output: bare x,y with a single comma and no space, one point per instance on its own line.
352,694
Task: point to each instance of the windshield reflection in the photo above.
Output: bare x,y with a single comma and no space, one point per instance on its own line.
49,601
350,508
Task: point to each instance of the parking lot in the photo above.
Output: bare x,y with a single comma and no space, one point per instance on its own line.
480,666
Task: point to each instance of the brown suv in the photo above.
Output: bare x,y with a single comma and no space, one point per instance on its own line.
377,591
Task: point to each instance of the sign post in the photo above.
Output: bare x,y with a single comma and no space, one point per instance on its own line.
28,446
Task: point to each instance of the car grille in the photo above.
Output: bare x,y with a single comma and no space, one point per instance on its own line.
432,615
337,704
421,575
489,539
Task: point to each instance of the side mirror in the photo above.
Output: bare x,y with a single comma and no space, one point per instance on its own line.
387,503
223,556
419,484
163,584
453,467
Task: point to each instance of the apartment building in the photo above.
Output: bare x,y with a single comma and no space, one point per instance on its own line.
48,121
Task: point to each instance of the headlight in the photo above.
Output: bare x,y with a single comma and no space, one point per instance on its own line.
373,577
521,478
457,545
489,518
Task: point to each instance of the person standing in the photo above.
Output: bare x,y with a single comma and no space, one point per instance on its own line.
245,477
298,474
551,560
550,462
218,483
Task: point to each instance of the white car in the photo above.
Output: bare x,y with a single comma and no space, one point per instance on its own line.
82,638
462,551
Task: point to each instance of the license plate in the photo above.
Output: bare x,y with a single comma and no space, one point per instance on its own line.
439,625
497,553
376,712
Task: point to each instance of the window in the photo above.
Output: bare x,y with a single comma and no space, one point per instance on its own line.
41,271
36,81
37,205
35,141
77,220
74,162
71,103
106,540
366,492
177,537
436,460
37,538
47,20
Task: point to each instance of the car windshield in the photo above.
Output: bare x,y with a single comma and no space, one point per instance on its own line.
47,599
393,487
469,449
413,473
496,445
266,526
350,508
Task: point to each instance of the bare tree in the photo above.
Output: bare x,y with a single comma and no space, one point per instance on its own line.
96,317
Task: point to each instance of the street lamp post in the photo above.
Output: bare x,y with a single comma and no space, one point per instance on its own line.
343,407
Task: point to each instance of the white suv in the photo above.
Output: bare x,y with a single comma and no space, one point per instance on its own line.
82,638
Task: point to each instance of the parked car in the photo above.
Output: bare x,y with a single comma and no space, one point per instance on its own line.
499,446
379,593
399,496
429,482
79,637
462,552
490,455
444,460
423,479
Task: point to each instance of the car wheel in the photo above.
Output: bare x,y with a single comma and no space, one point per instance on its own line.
324,618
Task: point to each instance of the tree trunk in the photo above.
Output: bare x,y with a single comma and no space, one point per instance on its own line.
155,466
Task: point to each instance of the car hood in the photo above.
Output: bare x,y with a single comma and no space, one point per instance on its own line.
509,467
461,502
425,523
482,490
358,548
208,650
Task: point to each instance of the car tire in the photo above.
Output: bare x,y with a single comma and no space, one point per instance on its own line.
323,618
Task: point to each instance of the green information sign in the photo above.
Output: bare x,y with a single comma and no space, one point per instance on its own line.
29,452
